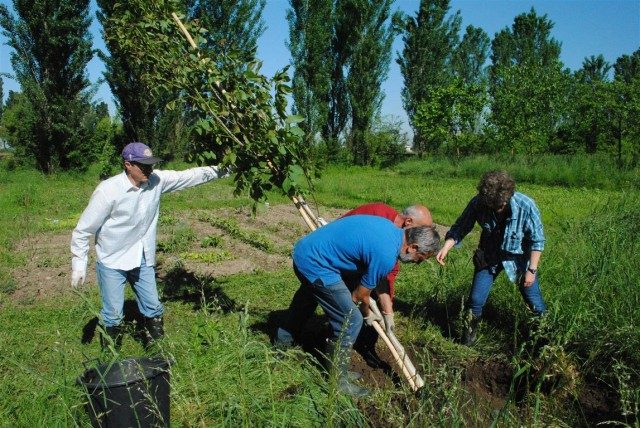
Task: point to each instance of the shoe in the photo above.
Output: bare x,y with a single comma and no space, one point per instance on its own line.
153,331
283,340
373,360
338,359
112,336
470,333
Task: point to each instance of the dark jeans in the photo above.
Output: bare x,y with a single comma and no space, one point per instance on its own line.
483,280
335,299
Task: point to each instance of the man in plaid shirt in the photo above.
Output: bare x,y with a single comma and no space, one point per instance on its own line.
512,240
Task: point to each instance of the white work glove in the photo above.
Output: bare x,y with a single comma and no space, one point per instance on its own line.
389,323
78,277
371,318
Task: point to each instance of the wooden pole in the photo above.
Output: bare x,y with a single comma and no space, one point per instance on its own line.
404,357
399,361
184,30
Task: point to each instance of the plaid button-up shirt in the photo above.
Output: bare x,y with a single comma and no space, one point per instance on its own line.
523,231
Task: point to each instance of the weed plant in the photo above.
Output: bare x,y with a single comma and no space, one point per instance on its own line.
255,239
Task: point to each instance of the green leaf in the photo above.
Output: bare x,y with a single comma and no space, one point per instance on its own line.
296,118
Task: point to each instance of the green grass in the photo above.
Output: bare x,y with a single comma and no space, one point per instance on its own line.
227,374
589,171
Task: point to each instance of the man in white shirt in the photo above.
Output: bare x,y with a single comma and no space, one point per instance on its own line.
123,215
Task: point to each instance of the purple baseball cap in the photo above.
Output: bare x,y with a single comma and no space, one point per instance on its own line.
139,152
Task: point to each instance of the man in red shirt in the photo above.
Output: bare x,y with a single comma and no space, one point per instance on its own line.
413,216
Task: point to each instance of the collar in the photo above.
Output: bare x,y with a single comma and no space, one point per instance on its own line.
127,186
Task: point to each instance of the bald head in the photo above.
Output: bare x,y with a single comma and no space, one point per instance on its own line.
413,216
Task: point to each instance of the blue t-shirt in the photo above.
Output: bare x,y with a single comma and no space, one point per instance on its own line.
363,244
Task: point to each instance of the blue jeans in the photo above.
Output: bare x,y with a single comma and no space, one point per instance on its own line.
335,299
482,282
112,283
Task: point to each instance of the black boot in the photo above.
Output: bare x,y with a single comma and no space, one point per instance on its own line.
470,330
112,336
338,359
153,330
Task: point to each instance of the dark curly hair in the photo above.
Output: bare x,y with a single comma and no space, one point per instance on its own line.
496,189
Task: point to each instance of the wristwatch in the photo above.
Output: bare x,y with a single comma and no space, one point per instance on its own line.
533,271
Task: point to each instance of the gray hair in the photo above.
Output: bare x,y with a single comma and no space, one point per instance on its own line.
425,237
414,212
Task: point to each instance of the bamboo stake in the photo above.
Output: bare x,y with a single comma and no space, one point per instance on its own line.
319,221
406,361
304,213
399,361
183,29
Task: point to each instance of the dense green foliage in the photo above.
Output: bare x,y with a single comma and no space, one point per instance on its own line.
232,25
51,49
240,123
368,68
528,86
341,53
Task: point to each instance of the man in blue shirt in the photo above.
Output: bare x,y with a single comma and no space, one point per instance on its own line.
362,245
512,240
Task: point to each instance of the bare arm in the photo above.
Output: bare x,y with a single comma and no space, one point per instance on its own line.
361,296
442,254
534,262
386,304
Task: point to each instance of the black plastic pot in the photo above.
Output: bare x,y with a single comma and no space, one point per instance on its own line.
129,393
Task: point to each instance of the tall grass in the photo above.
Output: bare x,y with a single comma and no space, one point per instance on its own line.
596,299
552,170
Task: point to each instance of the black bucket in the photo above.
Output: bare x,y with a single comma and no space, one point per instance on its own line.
129,393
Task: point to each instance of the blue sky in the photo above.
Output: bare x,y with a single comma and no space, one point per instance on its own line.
584,27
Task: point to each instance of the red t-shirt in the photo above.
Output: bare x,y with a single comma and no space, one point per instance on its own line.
381,210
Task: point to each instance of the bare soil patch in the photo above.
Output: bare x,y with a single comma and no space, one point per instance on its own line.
46,272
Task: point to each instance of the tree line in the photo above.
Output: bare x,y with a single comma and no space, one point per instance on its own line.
464,92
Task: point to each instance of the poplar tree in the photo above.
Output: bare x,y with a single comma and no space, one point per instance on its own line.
425,63
310,44
51,49
368,67
591,103
141,109
468,66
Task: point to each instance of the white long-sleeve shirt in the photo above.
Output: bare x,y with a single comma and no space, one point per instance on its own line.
124,218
